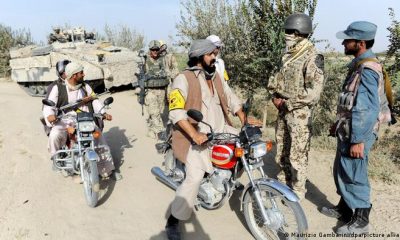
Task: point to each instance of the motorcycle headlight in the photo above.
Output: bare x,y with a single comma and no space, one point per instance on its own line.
86,126
258,149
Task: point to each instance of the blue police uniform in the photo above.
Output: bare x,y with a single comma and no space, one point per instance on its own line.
351,175
359,107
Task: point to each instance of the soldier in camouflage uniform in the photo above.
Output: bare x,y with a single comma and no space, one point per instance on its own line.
161,68
296,89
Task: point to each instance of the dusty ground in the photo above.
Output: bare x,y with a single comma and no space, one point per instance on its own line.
37,203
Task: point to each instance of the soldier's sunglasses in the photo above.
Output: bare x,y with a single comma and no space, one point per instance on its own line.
290,31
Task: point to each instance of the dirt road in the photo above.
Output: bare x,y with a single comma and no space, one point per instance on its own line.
37,203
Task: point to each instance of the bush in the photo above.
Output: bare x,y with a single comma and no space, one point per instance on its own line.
124,36
325,111
251,30
8,39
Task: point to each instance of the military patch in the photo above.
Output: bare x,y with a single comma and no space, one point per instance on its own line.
226,77
319,62
176,100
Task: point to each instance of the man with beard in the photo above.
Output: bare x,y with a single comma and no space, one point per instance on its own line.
362,107
198,87
70,92
295,90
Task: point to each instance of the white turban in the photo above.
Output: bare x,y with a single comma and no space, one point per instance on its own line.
216,40
72,68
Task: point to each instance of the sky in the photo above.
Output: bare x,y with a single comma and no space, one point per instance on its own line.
156,19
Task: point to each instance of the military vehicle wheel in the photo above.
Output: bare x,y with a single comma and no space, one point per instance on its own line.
32,90
41,90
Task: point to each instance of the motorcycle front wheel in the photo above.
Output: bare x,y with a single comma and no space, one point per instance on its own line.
91,182
287,219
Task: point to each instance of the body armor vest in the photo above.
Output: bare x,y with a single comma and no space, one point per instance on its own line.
290,79
349,93
157,76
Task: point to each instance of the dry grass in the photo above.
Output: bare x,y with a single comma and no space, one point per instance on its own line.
384,158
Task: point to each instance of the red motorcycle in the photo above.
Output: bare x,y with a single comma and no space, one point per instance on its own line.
271,209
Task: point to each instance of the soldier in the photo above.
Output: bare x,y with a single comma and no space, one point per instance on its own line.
161,68
219,63
362,107
58,35
295,90
200,88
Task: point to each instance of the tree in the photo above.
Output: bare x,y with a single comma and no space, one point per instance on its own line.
8,39
124,36
251,30
394,51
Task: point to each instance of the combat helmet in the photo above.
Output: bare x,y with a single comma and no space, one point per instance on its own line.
60,67
300,22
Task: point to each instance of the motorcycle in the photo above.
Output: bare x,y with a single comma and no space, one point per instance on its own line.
271,209
79,155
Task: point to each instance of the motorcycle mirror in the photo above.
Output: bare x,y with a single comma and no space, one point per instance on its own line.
246,106
195,115
48,102
108,101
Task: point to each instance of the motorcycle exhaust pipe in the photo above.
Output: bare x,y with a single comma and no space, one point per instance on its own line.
159,174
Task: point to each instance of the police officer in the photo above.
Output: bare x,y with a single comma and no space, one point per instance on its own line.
295,90
362,107
161,68
198,87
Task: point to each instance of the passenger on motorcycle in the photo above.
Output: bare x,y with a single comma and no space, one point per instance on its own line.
200,88
74,90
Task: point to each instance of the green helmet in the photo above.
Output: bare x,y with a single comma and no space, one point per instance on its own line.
300,22
154,44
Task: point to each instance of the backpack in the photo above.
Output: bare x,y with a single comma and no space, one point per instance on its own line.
388,86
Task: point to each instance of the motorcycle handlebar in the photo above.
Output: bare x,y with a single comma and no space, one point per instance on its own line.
214,136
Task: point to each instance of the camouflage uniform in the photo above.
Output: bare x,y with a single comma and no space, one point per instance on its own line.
156,100
300,83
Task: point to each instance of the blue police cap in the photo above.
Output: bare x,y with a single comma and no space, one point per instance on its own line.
360,30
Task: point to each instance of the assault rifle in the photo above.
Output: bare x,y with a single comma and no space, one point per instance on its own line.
142,78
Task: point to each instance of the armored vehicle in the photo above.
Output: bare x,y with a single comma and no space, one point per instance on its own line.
106,66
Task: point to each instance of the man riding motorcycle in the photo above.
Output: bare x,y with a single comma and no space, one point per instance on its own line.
199,88
73,90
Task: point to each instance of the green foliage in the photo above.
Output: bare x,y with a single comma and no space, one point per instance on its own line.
394,52
181,59
124,36
325,111
8,39
251,30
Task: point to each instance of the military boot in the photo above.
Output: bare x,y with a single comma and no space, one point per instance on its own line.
172,228
358,224
341,212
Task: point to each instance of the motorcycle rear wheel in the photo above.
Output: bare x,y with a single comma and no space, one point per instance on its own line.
91,182
288,220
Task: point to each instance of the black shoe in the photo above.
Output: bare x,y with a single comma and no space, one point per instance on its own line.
358,224
172,228
341,212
